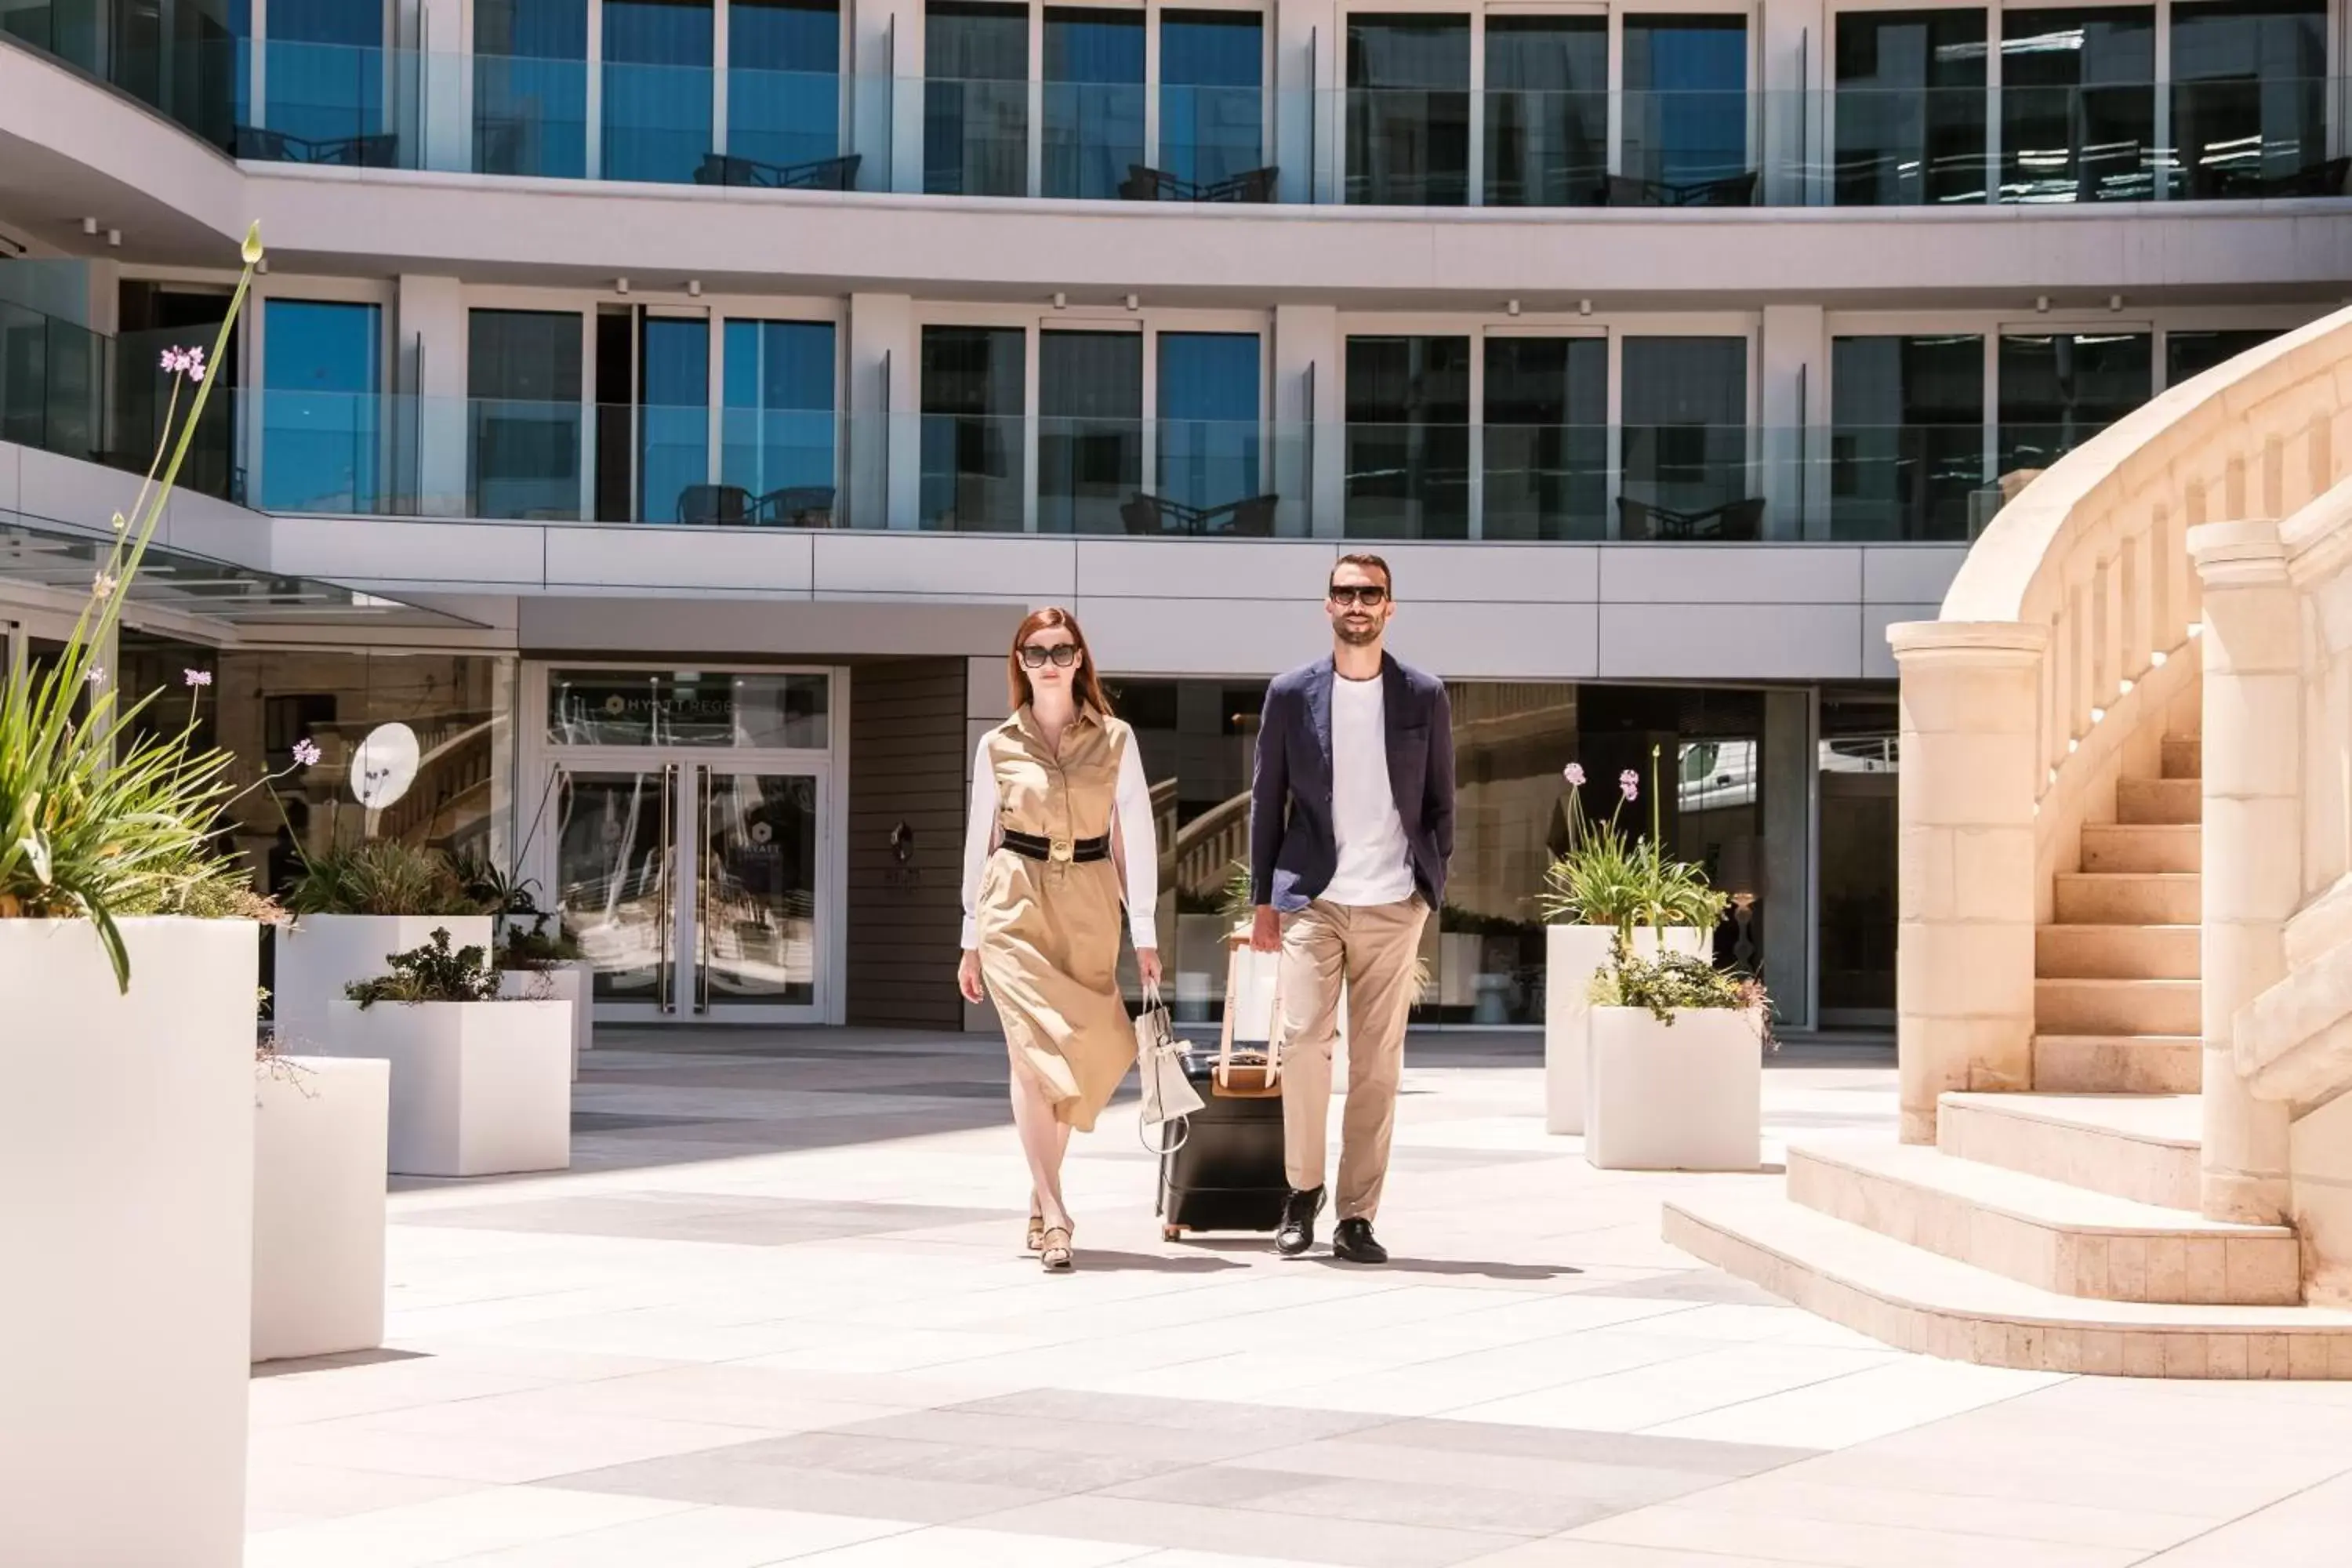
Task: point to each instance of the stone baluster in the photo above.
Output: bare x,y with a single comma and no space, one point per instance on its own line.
2253,857
1971,706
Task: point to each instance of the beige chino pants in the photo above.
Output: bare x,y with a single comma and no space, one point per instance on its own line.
1371,950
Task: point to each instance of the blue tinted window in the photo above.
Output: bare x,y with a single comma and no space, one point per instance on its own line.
320,370
777,434
1093,100
783,81
1209,433
1687,102
530,87
1211,112
675,413
658,89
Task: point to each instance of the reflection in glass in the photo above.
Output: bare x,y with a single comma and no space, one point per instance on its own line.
530,87
1212,77
1089,429
1408,111
777,439
1907,436
1856,914
2249,100
1093,101
1209,433
1546,111
2058,390
523,382
2190,354
975,99
662,708
614,866
1910,107
1685,104
972,438
1408,438
783,80
755,912
325,83
2078,104
320,374
657,58
1547,438
1684,441
673,417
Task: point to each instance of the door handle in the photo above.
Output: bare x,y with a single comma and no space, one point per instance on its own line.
666,927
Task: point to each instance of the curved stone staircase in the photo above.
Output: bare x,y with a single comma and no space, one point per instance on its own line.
2093,987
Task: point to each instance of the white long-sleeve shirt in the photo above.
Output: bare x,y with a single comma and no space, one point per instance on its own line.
1135,838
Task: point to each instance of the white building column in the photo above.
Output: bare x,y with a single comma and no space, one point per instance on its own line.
2253,857
1964,946
1310,409
430,419
443,88
883,394
886,94
1791,395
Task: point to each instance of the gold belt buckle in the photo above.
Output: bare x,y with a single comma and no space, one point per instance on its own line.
1061,849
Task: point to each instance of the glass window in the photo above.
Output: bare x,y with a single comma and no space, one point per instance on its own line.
1089,429
1408,438
1208,437
783,81
325,81
1409,111
776,444
1687,105
1683,407
687,707
1547,438
975,99
2078,104
1211,109
1093,101
1546,111
1856,916
523,387
2188,355
1910,107
974,384
320,374
2058,390
530,87
1907,436
658,58
2249,100
674,421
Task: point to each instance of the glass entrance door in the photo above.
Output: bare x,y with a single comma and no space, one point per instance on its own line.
693,886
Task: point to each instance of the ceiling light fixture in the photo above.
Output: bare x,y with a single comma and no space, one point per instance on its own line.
1061,300
2042,304
1513,306
693,287
620,285
114,237
1584,307
2115,301
89,227
1131,303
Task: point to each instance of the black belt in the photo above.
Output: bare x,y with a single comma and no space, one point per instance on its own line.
1035,846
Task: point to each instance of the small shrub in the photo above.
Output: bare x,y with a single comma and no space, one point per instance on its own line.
1675,980
379,877
532,948
432,972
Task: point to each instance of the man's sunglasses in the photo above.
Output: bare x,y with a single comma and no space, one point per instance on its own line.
1371,596
1061,656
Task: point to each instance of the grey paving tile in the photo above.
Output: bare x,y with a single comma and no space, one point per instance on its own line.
1218,1485
1278,1424
1434,1507
973,1428
1630,1449
1607,1487
1052,1474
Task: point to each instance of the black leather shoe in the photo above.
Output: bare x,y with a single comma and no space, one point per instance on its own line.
1298,1232
1353,1242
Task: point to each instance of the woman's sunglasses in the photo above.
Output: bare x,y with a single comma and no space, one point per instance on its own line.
1370,596
1061,656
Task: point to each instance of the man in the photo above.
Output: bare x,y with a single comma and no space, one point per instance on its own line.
1351,822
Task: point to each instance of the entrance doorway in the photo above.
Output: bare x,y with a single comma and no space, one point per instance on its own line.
689,842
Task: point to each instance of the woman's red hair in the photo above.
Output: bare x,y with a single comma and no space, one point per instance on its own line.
1088,686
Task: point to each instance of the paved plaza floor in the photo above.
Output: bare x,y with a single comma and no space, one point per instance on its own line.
779,1312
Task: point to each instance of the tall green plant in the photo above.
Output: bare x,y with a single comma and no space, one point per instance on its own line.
98,818
1604,877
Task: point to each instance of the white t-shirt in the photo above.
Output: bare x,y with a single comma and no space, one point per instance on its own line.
1375,866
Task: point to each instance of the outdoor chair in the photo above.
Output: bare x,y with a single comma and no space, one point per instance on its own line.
1249,517
822,175
1145,183
795,506
706,504
1735,522
378,151
1624,191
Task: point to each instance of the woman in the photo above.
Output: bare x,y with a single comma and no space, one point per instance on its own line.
1061,817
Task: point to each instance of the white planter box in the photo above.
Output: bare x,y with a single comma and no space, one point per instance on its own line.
126,1242
320,954
319,1125
1682,1097
575,983
1573,954
478,1089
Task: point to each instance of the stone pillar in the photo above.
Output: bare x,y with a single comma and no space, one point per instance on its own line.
1964,948
2252,858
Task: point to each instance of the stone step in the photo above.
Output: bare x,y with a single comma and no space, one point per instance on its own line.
2144,1147
2063,1239
1920,1302
2084,1007
2142,847
2183,757
2128,898
2117,1064
2117,952
2158,800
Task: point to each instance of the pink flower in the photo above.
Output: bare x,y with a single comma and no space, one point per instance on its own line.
1574,774
101,585
1629,784
189,362
306,752
196,677
172,361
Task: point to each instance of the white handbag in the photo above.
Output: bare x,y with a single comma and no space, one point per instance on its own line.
1168,1094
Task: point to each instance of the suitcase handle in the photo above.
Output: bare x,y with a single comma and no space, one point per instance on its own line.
1269,1071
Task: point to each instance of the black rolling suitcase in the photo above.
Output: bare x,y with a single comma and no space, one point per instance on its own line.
1228,1172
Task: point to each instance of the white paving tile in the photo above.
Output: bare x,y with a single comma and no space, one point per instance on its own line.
447,1529
1872,1403
699,1538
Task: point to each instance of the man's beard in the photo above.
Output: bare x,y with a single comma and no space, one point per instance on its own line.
1355,635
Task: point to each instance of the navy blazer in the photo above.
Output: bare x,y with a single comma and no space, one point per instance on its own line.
1293,852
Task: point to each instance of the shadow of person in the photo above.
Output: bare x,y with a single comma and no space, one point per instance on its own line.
1156,1263
1455,1265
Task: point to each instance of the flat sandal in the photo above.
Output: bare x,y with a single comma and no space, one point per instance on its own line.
1056,1256
1036,1238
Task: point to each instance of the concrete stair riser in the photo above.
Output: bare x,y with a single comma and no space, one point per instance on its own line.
2160,801
2116,1006
2045,1235
2117,952
2142,847
2183,757
2126,898
2103,1159
2093,1064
